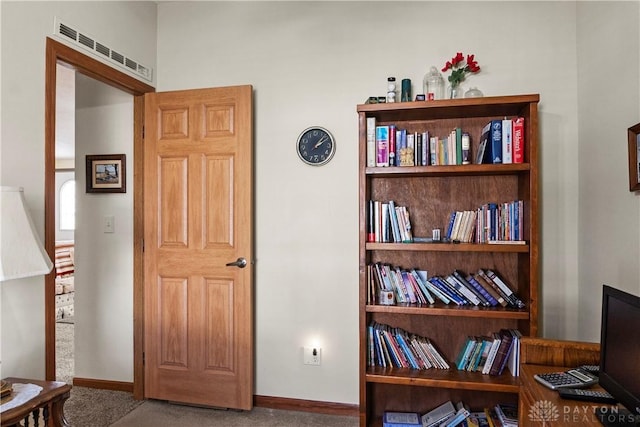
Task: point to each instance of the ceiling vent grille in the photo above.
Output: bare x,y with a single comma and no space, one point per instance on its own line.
87,42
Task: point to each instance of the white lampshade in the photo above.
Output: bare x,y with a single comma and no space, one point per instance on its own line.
21,253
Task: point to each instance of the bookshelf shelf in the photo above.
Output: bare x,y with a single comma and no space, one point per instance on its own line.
440,309
430,194
462,170
443,378
447,247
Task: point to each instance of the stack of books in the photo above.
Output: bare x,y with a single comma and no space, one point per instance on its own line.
408,286
449,415
388,223
484,288
491,354
507,414
395,347
490,223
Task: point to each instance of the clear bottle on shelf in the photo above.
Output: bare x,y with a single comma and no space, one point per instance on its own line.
433,84
391,89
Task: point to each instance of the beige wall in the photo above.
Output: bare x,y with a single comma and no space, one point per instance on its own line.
310,63
104,261
609,214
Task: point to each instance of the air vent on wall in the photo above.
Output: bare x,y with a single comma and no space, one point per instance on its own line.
87,42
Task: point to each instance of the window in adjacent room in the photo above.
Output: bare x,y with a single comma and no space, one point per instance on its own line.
68,205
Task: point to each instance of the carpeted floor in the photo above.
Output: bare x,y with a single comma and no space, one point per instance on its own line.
154,413
64,351
87,407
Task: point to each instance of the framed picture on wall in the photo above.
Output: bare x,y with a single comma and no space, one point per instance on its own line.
634,157
106,173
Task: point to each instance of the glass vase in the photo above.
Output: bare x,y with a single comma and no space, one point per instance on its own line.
456,92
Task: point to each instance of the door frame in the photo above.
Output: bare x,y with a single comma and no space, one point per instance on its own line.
59,53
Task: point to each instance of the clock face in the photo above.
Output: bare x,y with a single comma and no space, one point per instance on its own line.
316,146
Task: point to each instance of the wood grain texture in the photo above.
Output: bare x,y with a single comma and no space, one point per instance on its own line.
539,355
541,351
198,218
58,53
51,399
302,405
431,193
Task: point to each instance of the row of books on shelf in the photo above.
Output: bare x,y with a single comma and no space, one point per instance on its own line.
389,346
490,223
388,285
501,141
459,415
492,354
394,347
388,223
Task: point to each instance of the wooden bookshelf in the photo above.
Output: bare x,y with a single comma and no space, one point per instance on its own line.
431,193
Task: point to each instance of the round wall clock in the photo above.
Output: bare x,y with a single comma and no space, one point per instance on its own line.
315,146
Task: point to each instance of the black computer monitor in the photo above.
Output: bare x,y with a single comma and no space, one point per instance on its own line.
620,355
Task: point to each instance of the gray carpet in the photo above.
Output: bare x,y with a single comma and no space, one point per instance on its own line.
87,407
64,351
154,413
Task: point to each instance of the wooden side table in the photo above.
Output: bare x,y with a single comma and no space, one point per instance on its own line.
49,404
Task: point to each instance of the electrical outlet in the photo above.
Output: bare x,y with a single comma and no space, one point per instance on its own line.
312,355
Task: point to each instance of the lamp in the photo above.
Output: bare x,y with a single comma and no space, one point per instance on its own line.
21,252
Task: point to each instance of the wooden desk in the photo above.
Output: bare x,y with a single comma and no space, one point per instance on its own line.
50,400
538,403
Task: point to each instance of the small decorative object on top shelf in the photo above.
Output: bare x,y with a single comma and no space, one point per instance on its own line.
460,68
474,92
391,89
405,90
433,84
634,157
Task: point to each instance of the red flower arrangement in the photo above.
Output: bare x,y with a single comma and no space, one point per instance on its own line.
460,68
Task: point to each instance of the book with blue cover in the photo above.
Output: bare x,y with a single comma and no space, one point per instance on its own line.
382,146
490,148
401,419
496,142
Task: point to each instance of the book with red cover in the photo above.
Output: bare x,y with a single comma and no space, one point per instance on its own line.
393,161
518,140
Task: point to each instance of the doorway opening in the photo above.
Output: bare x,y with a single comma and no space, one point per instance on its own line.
60,54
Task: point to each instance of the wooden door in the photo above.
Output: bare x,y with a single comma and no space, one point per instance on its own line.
198,218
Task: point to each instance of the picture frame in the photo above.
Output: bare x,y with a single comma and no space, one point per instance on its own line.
106,173
634,157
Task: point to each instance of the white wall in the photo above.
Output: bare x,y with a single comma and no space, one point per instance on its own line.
130,26
311,63
609,93
104,261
